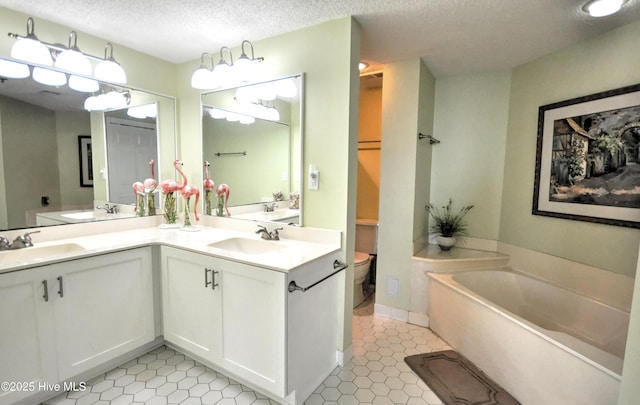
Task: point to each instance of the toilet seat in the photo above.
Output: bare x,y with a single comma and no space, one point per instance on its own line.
361,259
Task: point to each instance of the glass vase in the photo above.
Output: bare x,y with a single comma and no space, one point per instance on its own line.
141,206
208,202
170,215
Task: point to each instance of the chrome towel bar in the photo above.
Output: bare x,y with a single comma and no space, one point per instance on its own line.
338,267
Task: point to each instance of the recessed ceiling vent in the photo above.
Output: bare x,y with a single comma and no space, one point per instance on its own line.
49,93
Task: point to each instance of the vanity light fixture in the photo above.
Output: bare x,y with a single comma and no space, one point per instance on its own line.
70,59
108,69
245,66
226,72
29,48
203,78
143,111
222,71
602,8
107,99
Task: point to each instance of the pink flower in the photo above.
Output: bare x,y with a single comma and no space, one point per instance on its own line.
223,189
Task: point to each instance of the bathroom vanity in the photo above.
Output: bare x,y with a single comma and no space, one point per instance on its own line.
79,306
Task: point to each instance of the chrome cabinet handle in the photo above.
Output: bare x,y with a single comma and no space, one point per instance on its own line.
46,291
214,284
60,287
206,278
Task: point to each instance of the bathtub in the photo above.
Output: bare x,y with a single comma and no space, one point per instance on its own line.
543,343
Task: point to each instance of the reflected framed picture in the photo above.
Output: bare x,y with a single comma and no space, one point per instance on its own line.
86,166
588,158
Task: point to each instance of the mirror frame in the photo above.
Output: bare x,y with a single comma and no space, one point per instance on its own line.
297,171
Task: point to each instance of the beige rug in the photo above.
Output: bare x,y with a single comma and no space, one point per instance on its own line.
457,381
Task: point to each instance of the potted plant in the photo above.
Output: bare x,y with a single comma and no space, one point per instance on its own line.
447,224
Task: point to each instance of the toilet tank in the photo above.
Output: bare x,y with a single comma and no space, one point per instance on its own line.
367,236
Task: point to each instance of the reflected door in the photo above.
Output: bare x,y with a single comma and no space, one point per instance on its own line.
131,145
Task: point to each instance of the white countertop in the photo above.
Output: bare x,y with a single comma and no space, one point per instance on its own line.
294,252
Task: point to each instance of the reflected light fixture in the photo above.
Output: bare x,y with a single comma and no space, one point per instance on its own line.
603,8
49,77
83,84
13,70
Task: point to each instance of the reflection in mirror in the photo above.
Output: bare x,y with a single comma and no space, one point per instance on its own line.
252,138
132,145
49,175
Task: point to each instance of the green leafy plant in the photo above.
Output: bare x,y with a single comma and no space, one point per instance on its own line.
446,222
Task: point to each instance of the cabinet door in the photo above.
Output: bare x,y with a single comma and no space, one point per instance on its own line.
191,302
253,324
103,308
26,322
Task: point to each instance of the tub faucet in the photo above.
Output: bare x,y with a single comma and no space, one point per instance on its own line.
23,241
110,208
265,234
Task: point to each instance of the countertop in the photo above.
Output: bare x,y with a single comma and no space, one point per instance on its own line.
291,255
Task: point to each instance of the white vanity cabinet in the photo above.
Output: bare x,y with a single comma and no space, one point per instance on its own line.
61,320
229,314
244,321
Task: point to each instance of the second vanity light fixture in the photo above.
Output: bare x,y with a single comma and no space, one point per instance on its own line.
70,59
225,73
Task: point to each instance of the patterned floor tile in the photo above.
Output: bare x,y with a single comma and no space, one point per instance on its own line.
377,374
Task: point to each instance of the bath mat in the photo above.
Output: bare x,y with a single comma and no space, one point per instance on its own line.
455,380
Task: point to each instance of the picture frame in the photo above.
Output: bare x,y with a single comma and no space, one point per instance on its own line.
86,162
587,163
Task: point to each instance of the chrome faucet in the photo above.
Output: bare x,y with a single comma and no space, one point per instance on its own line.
110,208
22,241
269,207
265,234
4,243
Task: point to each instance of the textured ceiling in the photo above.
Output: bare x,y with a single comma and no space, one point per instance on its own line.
451,36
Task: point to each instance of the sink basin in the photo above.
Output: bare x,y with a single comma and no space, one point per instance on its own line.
8,257
247,246
80,215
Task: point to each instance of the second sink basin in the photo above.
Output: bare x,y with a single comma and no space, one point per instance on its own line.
35,253
247,246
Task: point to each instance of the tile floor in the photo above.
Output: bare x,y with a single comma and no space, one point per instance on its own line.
377,374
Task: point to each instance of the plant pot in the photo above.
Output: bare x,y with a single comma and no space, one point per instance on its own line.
445,242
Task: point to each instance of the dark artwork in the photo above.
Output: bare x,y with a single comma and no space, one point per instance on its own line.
595,159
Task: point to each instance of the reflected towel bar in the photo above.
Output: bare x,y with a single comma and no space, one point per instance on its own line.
337,265
431,139
231,153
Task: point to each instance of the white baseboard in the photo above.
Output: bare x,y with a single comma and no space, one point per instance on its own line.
390,312
345,356
419,319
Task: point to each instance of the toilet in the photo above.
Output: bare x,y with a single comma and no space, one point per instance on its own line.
366,246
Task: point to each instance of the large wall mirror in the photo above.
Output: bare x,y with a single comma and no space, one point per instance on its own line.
252,139
54,165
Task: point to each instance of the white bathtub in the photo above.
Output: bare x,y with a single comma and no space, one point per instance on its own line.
544,344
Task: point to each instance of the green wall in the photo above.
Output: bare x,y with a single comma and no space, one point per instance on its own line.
329,131
471,115
606,62
407,105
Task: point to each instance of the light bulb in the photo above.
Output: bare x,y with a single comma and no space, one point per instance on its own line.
83,84
13,69
203,79
602,8
110,71
286,88
73,61
49,77
31,50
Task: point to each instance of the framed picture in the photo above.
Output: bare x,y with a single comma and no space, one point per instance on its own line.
587,159
86,165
